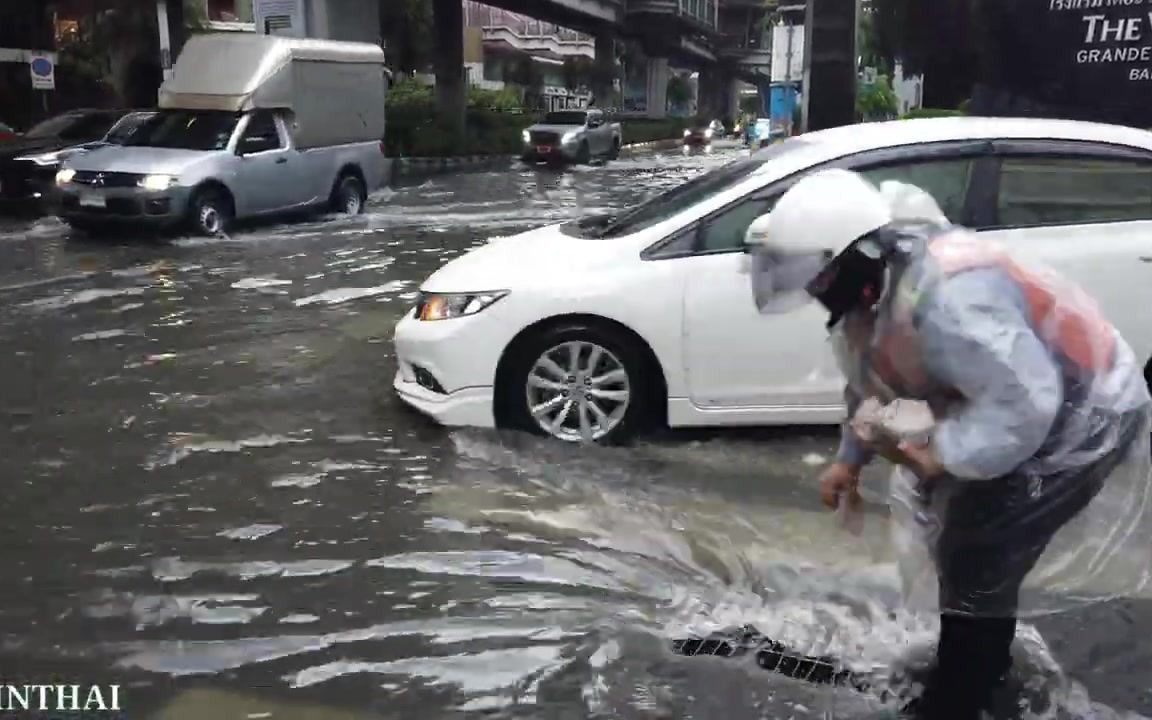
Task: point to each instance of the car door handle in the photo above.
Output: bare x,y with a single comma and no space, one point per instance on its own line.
1146,258
281,161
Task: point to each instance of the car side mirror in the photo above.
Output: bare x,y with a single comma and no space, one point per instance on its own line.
756,233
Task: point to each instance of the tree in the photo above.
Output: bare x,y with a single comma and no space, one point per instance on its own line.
941,39
409,33
579,72
526,72
679,91
877,101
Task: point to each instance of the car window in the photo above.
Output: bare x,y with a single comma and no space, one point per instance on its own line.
1041,190
944,180
726,230
261,134
89,127
697,190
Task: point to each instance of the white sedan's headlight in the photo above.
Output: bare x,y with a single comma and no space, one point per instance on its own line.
63,177
444,306
157,182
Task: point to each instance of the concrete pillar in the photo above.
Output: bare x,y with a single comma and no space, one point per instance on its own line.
448,18
602,83
732,101
658,76
706,100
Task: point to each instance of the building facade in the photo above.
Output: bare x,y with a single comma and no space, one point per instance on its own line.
499,43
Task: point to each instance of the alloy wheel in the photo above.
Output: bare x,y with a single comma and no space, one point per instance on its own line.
578,391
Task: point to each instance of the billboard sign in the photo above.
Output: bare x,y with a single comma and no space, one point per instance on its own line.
1086,59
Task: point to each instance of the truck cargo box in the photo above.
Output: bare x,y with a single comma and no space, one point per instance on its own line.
336,90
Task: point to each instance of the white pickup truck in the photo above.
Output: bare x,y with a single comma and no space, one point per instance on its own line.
572,136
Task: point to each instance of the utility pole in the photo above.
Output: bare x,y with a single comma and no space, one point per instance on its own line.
830,29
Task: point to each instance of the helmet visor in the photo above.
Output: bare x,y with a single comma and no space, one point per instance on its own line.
779,281
853,278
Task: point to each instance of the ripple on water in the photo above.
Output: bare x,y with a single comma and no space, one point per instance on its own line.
80,297
99,335
187,445
341,295
173,569
250,532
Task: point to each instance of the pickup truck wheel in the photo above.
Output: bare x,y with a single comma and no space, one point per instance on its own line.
349,195
584,154
210,212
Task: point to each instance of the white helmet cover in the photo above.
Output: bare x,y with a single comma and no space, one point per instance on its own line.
910,203
813,221
822,213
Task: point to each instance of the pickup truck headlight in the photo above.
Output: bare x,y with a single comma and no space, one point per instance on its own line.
687,132
569,136
157,182
445,306
64,176
527,136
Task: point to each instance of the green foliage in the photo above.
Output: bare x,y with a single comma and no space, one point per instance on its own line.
930,113
877,101
679,91
641,130
415,130
578,72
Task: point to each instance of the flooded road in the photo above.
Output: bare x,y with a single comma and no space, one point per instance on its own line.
212,498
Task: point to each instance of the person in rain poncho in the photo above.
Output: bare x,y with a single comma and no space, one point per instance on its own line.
1031,491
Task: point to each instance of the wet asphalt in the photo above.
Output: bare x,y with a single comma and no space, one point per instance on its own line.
211,497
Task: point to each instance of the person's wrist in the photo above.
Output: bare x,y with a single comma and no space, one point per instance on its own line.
850,468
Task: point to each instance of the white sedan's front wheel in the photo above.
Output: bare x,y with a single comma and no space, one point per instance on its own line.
579,383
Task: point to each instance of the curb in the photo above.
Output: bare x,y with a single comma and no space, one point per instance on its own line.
406,166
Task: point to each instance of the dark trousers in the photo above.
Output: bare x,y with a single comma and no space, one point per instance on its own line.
994,533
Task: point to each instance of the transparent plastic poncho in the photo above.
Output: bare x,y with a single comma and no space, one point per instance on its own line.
1040,414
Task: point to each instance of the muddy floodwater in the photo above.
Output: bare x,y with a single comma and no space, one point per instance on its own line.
211,497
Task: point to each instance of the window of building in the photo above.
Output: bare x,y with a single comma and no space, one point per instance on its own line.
1070,190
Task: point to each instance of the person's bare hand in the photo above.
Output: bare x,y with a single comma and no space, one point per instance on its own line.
922,460
840,479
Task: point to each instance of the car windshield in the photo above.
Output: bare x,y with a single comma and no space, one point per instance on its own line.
186,130
565,118
72,126
126,127
681,197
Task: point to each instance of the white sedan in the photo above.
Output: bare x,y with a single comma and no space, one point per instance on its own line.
592,330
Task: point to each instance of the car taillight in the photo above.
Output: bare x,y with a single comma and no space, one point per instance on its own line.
382,150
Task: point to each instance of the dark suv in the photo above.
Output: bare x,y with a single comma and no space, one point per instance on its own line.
29,162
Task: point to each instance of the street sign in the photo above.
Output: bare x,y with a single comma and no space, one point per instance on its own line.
43,72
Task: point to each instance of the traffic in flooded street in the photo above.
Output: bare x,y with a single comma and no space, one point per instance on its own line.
214,499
